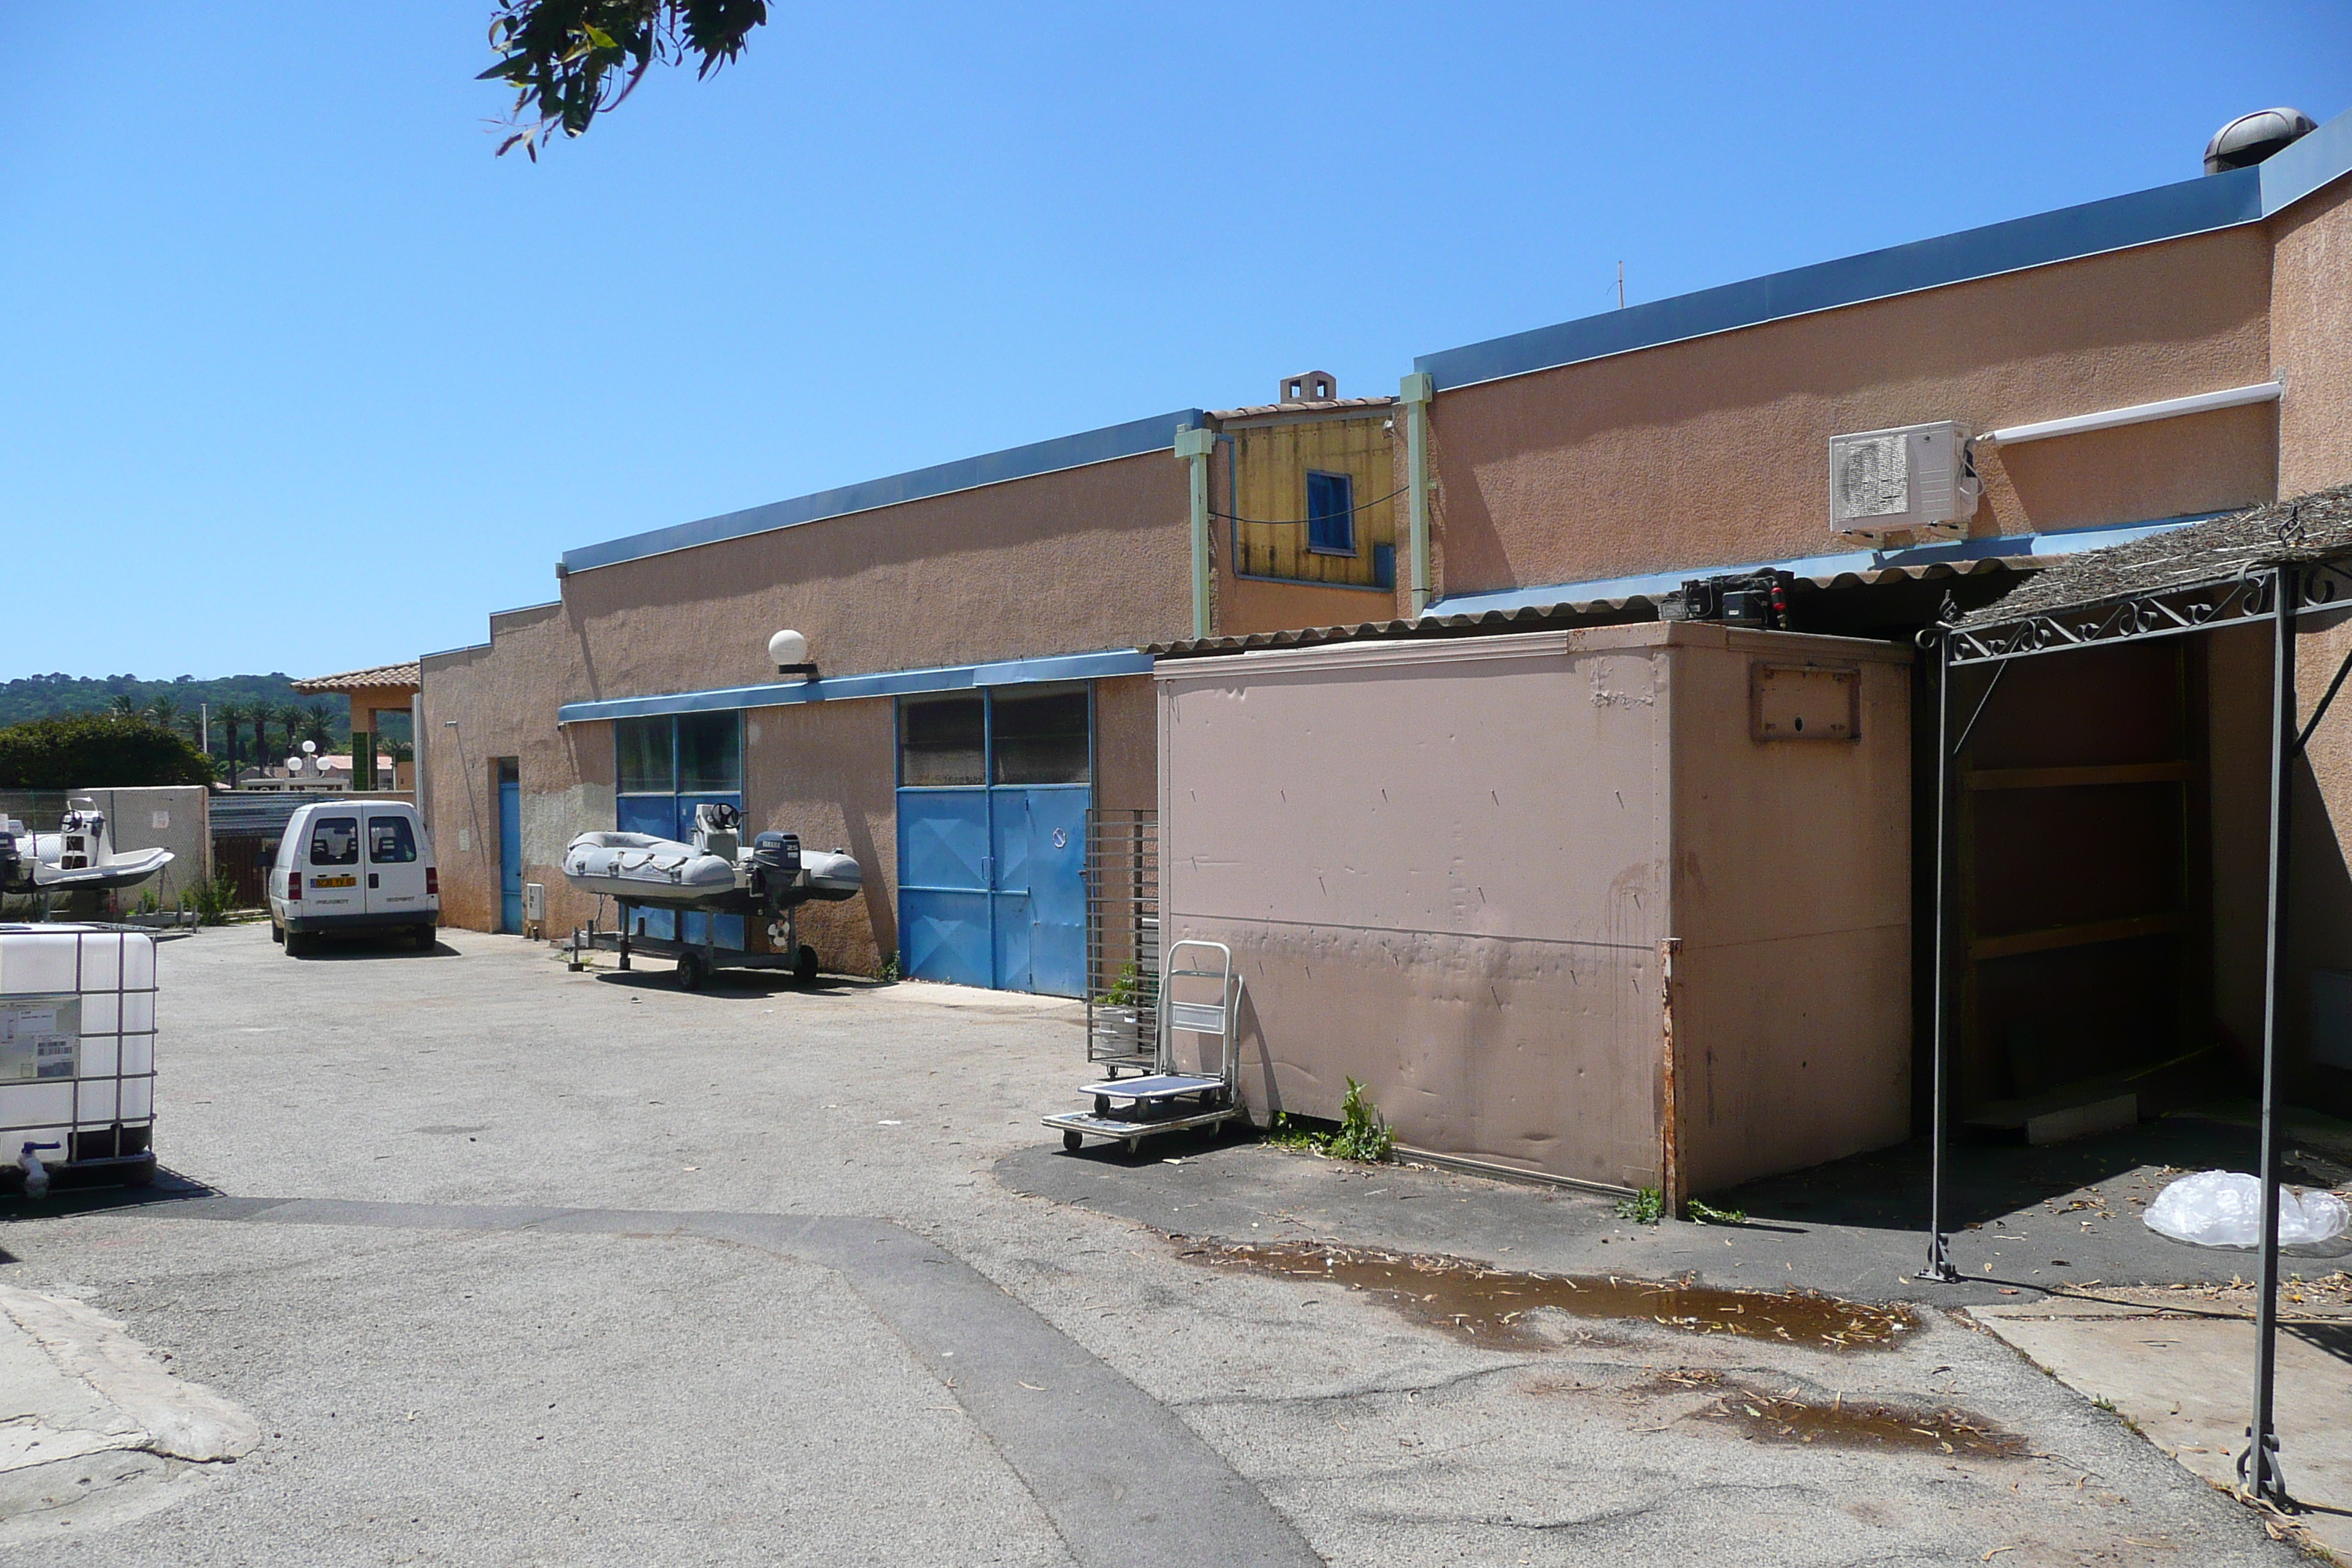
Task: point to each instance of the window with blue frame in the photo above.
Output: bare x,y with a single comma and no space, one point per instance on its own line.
1330,514
664,767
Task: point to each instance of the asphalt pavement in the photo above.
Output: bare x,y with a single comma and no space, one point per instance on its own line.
511,1265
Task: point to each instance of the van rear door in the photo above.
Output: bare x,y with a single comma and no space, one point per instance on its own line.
395,869
331,873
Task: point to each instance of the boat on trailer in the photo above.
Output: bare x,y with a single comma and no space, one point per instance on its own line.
79,857
765,883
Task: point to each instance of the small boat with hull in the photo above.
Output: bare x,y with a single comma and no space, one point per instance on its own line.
716,871
79,856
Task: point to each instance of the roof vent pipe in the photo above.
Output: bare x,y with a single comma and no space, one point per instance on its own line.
2251,138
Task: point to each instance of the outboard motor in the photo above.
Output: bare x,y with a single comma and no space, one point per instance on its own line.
776,859
14,872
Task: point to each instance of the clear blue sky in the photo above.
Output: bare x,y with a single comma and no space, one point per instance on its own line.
295,375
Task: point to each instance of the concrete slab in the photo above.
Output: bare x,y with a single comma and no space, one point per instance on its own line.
2185,1382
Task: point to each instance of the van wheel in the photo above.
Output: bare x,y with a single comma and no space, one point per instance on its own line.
297,944
804,967
691,972
427,938
276,933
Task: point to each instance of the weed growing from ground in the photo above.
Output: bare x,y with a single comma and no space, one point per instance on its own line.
1361,1134
1645,1207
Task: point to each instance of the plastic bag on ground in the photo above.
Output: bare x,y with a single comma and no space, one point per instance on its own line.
2224,1208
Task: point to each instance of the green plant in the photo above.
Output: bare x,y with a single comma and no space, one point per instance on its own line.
147,903
1128,988
1362,1134
212,901
891,970
1645,1207
1286,1133
1704,1212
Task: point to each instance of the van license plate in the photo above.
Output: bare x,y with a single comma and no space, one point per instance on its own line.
334,881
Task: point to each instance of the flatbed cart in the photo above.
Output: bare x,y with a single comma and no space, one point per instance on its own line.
1166,1100
696,960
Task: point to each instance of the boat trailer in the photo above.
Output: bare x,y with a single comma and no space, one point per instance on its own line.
696,960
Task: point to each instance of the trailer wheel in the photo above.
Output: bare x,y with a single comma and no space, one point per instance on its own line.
1072,1140
804,967
691,972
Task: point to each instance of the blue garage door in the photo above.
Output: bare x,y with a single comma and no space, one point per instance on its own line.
665,767
992,798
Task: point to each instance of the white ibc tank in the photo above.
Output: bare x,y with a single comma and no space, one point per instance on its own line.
77,1041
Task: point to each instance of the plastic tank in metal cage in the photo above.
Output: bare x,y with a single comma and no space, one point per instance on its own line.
77,1050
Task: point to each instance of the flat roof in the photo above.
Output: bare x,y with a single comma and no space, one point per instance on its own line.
2200,205
1132,439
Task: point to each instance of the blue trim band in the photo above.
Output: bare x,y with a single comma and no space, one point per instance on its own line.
2117,223
1129,440
2168,212
888,683
2064,542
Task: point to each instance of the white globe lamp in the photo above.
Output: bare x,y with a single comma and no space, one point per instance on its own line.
789,652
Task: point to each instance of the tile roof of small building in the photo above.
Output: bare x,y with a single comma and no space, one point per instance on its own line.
383,675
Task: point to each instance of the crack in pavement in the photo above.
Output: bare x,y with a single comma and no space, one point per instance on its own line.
1125,1482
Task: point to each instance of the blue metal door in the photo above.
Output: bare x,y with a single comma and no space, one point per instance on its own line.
1040,899
944,854
509,855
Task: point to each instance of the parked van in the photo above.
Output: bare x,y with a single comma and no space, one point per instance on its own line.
353,866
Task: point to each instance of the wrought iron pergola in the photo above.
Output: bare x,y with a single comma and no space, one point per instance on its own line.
2240,578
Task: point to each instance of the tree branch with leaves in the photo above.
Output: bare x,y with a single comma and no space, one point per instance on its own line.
571,61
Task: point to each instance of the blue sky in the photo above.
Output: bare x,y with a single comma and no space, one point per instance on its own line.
294,374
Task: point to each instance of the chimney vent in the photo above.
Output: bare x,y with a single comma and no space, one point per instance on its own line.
1314,386
2251,138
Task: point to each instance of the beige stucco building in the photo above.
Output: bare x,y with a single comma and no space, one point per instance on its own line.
2158,357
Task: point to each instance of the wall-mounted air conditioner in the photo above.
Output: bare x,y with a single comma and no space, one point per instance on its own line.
1894,487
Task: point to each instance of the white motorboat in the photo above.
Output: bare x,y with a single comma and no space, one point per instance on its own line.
715,871
80,854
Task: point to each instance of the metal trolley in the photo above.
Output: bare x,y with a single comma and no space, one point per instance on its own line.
1167,1100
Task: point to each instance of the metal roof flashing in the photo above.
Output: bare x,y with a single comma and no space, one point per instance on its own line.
1108,444
2177,211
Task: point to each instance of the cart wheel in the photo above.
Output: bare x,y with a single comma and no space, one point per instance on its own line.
804,967
691,972
1073,1141
1102,1105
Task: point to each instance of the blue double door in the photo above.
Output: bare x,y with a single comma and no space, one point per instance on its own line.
992,886
993,799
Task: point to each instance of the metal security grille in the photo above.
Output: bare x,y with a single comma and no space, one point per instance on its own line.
1122,938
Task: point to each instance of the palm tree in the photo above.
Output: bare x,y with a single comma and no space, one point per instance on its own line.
233,715
165,710
318,724
122,705
287,715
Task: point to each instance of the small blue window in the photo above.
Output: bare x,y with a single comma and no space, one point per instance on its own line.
1330,514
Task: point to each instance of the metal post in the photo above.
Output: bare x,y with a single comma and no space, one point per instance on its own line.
1418,390
2258,1467
1195,447
1939,1260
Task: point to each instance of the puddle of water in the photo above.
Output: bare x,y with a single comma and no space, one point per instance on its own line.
1490,1306
1841,1422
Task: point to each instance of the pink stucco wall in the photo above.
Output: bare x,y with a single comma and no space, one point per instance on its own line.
1445,869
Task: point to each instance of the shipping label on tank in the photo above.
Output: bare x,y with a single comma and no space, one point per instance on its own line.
40,1037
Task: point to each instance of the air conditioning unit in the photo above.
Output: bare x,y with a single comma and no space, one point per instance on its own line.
1899,486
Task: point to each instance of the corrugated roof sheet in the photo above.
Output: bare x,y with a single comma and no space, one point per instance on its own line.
2313,527
359,679
1580,613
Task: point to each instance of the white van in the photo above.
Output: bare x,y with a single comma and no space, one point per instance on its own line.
352,865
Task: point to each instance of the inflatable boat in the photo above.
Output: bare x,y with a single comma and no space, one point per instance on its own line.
80,854
715,871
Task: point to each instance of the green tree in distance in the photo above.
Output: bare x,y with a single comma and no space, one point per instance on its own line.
571,61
